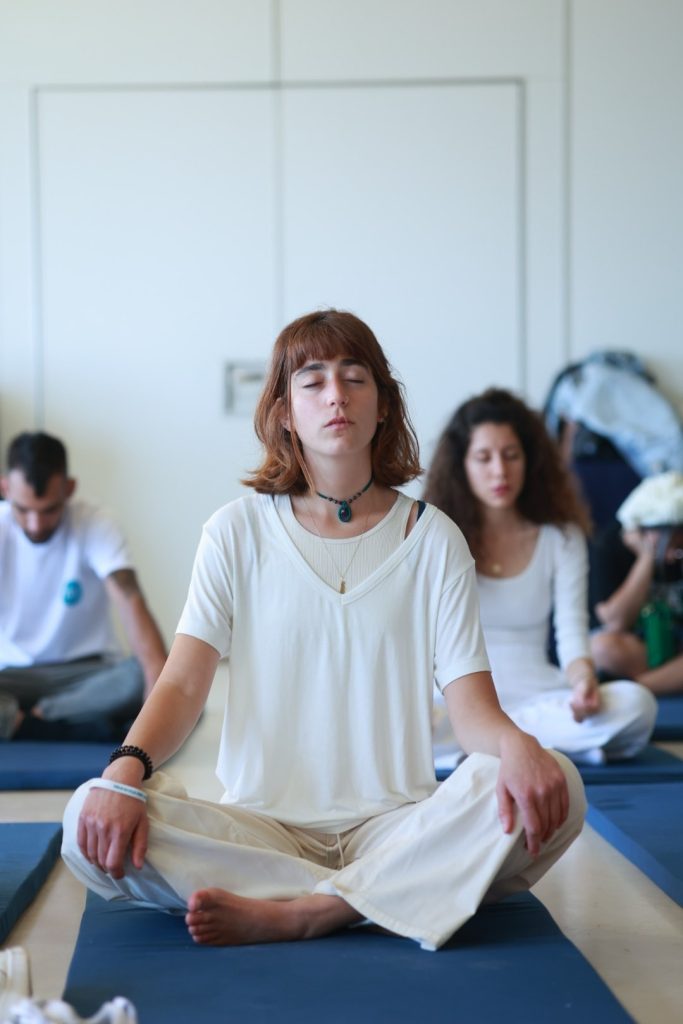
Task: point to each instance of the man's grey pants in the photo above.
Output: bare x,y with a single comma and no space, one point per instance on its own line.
78,691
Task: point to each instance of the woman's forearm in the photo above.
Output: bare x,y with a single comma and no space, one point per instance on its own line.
172,709
580,671
477,719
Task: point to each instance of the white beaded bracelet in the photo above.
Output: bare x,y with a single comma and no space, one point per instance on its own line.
121,787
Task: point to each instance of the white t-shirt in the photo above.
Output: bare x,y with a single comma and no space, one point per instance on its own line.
53,603
515,615
328,712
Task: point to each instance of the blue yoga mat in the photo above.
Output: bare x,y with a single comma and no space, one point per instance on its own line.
509,963
645,823
38,765
27,855
651,765
669,721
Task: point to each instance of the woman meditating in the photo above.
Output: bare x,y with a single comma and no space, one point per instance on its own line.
338,601
498,475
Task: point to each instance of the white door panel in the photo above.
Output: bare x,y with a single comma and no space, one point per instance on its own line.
402,204
158,266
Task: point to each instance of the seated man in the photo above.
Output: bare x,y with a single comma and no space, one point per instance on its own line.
62,675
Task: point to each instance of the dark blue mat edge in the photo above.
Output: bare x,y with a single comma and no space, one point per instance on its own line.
605,821
34,880
34,765
669,721
636,853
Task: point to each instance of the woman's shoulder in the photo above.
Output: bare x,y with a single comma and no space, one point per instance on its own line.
563,540
441,529
249,510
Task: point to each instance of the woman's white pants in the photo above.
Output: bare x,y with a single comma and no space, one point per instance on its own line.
420,871
621,729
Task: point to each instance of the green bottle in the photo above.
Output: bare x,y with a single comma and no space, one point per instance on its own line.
658,629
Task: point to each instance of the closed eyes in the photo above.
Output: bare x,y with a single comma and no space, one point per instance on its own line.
509,456
346,380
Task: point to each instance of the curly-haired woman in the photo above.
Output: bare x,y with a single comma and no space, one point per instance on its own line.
499,476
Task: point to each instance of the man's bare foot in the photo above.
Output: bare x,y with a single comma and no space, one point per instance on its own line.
219,918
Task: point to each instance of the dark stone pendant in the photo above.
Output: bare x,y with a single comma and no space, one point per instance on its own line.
344,513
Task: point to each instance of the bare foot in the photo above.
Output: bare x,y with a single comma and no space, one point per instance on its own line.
216,917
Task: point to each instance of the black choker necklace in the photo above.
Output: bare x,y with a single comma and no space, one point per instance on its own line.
344,511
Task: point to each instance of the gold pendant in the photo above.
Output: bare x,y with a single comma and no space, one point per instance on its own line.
342,587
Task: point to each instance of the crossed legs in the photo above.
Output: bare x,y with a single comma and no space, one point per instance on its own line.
419,871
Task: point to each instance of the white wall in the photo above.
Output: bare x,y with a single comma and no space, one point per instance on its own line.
180,179
626,178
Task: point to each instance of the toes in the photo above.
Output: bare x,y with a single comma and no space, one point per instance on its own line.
205,936
205,899
195,902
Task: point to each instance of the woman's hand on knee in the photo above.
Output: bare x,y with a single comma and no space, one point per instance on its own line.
531,780
110,826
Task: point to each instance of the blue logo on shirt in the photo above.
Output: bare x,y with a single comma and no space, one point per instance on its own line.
73,592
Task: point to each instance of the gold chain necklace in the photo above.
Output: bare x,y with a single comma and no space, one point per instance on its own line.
342,575
487,565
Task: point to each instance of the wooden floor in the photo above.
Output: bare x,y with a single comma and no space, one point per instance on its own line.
627,928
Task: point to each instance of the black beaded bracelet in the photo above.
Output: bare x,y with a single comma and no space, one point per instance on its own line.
129,751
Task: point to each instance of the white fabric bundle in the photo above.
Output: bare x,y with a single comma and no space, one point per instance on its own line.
656,501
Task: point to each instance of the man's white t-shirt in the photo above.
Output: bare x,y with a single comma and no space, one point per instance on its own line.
328,711
53,602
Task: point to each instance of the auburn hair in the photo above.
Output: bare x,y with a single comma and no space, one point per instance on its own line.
548,495
323,335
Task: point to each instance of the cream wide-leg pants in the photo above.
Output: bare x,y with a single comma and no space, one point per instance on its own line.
420,871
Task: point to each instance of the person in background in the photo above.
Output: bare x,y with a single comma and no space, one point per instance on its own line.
63,562
499,476
642,620
338,601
